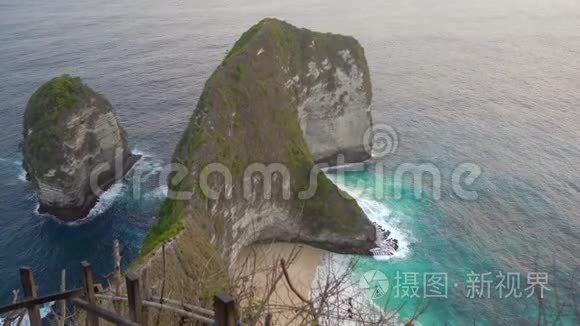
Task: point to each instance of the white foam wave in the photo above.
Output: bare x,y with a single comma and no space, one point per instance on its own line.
351,296
158,193
144,154
107,199
380,214
22,176
45,310
10,161
147,167
18,164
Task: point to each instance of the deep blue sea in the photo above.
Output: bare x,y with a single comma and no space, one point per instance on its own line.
494,83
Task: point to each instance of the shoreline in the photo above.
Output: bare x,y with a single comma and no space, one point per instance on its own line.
303,262
74,214
310,270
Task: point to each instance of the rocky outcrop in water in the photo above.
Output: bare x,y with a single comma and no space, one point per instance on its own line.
73,147
387,246
283,98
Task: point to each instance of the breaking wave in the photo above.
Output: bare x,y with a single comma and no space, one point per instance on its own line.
381,215
133,184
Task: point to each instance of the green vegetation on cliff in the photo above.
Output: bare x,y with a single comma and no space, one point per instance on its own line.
70,132
171,212
247,113
241,44
168,225
43,134
52,98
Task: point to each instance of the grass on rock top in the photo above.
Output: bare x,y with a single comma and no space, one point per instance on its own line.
43,135
227,91
53,98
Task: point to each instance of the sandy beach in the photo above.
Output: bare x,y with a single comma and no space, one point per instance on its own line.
302,264
310,270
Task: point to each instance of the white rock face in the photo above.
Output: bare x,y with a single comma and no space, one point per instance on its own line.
334,104
335,118
87,154
282,97
76,172
285,98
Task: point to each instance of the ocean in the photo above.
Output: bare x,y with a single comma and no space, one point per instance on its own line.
491,83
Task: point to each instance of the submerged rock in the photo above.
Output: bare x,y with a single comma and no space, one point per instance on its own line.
73,147
283,99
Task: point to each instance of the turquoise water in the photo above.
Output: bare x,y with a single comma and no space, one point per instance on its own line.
48,246
430,244
490,82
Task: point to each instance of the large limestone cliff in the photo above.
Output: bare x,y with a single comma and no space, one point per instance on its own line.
70,135
333,91
283,98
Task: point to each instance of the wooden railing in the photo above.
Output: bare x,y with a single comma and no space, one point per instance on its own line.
87,298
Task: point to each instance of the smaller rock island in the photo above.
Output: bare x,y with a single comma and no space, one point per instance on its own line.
74,148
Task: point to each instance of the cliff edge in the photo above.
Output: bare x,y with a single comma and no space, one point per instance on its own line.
73,147
283,99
